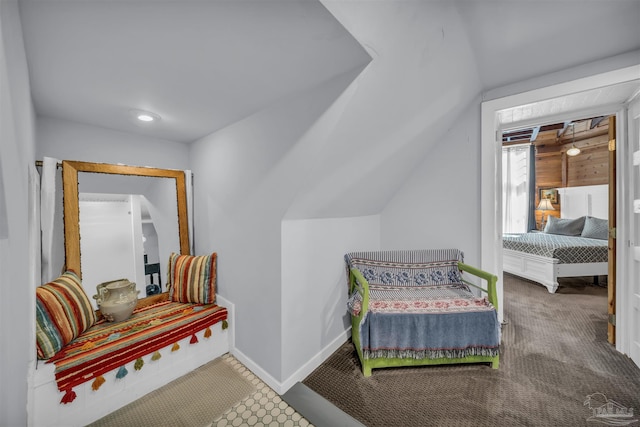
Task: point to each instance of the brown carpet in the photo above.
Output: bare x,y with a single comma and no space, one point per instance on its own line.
554,354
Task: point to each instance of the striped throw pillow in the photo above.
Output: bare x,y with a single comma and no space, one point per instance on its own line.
192,278
63,312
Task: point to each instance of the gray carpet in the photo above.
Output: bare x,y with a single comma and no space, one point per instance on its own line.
554,354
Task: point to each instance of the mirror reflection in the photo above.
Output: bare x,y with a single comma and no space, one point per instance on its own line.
127,223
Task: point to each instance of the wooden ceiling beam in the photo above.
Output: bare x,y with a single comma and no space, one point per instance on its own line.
534,135
583,145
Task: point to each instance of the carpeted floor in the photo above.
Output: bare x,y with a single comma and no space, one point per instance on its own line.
554,355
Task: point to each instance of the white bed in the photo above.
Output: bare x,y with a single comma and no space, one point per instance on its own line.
575,202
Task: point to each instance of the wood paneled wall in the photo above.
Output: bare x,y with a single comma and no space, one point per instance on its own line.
554,169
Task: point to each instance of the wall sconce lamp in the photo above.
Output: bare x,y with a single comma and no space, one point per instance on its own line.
545,205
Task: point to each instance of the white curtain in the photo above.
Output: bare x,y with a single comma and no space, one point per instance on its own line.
34,225
188,175
515,188
51,227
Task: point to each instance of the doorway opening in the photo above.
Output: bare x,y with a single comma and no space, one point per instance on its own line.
556,178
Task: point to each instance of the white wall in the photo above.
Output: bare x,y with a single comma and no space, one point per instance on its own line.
245,177
67,140
420,79
311,158
314,286
17,249
439,204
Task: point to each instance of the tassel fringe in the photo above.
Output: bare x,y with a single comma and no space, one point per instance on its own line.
97,383
429,354
69,396
122,372
139,364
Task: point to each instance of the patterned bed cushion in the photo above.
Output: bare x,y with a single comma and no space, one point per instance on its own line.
596,228
435,274
566,227
192,278
407,268
419,299
63,312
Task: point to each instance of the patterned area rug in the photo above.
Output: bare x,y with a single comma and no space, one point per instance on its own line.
555,368
191,400
223,390
261,408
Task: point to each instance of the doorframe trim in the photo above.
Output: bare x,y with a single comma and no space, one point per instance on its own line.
491,167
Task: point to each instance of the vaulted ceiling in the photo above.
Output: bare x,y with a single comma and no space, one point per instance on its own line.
199,65
202,65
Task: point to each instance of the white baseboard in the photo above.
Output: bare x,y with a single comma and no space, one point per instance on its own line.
301,373
315,361
257,370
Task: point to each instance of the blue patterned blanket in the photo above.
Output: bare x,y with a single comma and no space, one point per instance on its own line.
419,307
567,249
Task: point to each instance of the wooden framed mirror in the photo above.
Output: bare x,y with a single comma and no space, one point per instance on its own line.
73,172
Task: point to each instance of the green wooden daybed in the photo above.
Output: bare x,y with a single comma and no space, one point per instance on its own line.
413,307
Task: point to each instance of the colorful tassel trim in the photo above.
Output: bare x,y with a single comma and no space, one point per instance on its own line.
175,347
88,345
69,396
207,332
156,356
194,339
97,383
225,325
139,364
122,372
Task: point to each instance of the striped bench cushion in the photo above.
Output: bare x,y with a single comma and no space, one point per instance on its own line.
107,346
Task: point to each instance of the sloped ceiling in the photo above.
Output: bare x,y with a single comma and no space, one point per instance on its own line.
203,65
431,59
200,65
521,39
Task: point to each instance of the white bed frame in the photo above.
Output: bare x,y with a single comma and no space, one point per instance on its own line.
589,200
547,270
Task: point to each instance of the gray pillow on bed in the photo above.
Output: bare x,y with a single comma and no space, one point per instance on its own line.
596,228
566,227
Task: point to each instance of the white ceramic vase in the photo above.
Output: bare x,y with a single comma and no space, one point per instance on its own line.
117,300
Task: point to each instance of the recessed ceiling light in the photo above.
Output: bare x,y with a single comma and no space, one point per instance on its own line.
145,116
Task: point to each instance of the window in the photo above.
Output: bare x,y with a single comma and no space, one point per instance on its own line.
515,188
